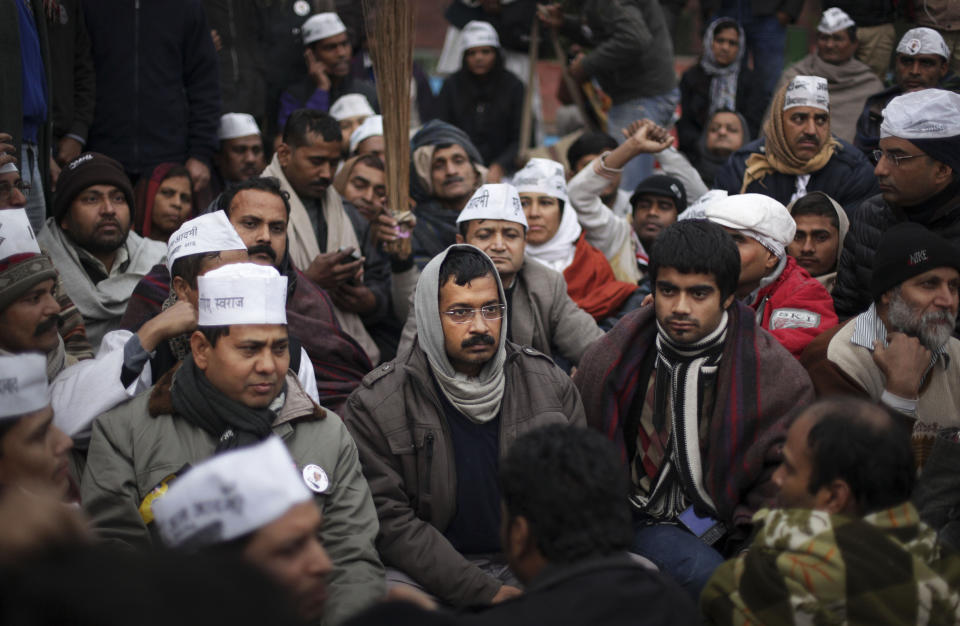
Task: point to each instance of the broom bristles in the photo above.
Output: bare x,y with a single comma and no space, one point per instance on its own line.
390,28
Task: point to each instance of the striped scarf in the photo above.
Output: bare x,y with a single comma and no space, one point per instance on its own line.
679,374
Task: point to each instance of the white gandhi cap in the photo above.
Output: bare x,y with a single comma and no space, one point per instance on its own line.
350,105
321,26
542,176
834,20
925,114
807,91
476,34
23,384
16,234
371,127
923,40
233,125
230,495
8,168
211,232
242,293
494,202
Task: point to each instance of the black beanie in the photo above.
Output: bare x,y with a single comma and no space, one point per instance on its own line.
90,168
664,186
907,250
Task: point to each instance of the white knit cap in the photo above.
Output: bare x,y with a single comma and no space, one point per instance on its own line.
23,384
321,26
371,127
350,105
230,495
494,202
757,216
922,40
211,232
924,114
233,125
476,34
16,234
807,91
8,168
834,20
542,176
242,293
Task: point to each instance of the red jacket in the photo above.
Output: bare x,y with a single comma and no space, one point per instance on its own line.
795,308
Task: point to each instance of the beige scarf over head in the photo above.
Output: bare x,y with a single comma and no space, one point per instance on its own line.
778,156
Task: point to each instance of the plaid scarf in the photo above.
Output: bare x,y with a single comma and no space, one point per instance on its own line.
758,384
680,372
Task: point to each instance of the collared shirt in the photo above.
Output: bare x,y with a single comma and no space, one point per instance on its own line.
95,268
869,328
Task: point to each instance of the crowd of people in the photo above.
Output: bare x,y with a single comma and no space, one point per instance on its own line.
699,367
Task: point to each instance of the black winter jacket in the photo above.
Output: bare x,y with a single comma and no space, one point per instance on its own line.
158,90
695,105
868,12
868,222
847,177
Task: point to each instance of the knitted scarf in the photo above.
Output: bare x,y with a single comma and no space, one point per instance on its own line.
233,424
778,156
758,383
679,374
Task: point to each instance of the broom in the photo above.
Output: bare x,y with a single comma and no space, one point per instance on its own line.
389,28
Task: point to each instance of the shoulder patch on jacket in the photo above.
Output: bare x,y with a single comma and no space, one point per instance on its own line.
794,318
378,372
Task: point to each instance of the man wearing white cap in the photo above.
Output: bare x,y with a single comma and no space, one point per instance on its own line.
944,17
368,138
33,451
322,242
129,362
240,156
327,54
798,153
850,81
12,188
917,166
432,425
235,389
350,111
922,62
789,303
539,311
254,500
555,238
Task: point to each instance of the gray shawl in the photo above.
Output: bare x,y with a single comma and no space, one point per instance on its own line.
478,397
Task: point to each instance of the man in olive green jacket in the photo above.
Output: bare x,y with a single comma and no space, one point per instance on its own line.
234,389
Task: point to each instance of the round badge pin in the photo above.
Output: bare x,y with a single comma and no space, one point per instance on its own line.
316,478
301,7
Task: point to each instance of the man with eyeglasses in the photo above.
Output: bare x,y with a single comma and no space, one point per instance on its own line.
91,244
13,191
431,426
922,62
851,81
917,167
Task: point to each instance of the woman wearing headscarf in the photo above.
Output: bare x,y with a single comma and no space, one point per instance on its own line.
164,201
555,238
718,81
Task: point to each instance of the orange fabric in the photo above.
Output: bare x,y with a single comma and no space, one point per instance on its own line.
591,284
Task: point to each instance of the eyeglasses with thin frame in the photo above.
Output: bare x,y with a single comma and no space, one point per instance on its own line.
893,158
6,188
490,313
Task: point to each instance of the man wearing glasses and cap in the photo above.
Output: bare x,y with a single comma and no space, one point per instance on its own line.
432,425
917,164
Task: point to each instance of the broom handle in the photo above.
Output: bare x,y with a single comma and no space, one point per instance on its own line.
572,87
526,122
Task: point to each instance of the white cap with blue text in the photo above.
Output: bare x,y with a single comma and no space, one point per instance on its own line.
834,20
923,40
924,114
242,293
542,176
211,232
494,202
807,91
23,384
230,495
16,234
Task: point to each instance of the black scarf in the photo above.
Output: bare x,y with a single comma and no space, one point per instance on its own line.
231,423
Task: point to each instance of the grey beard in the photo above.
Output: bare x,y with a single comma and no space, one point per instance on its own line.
929,328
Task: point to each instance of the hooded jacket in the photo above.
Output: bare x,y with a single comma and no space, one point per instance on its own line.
829,280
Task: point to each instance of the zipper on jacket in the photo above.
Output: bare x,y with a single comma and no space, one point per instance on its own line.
428,449
136,83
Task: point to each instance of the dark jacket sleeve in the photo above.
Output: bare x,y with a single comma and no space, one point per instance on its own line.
630,37
508,156
730,176
861,183
689,126
751,101
201,77
84,80
850,296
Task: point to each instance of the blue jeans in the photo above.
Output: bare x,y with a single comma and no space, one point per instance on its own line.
30,174
766,41
678,554
660,109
